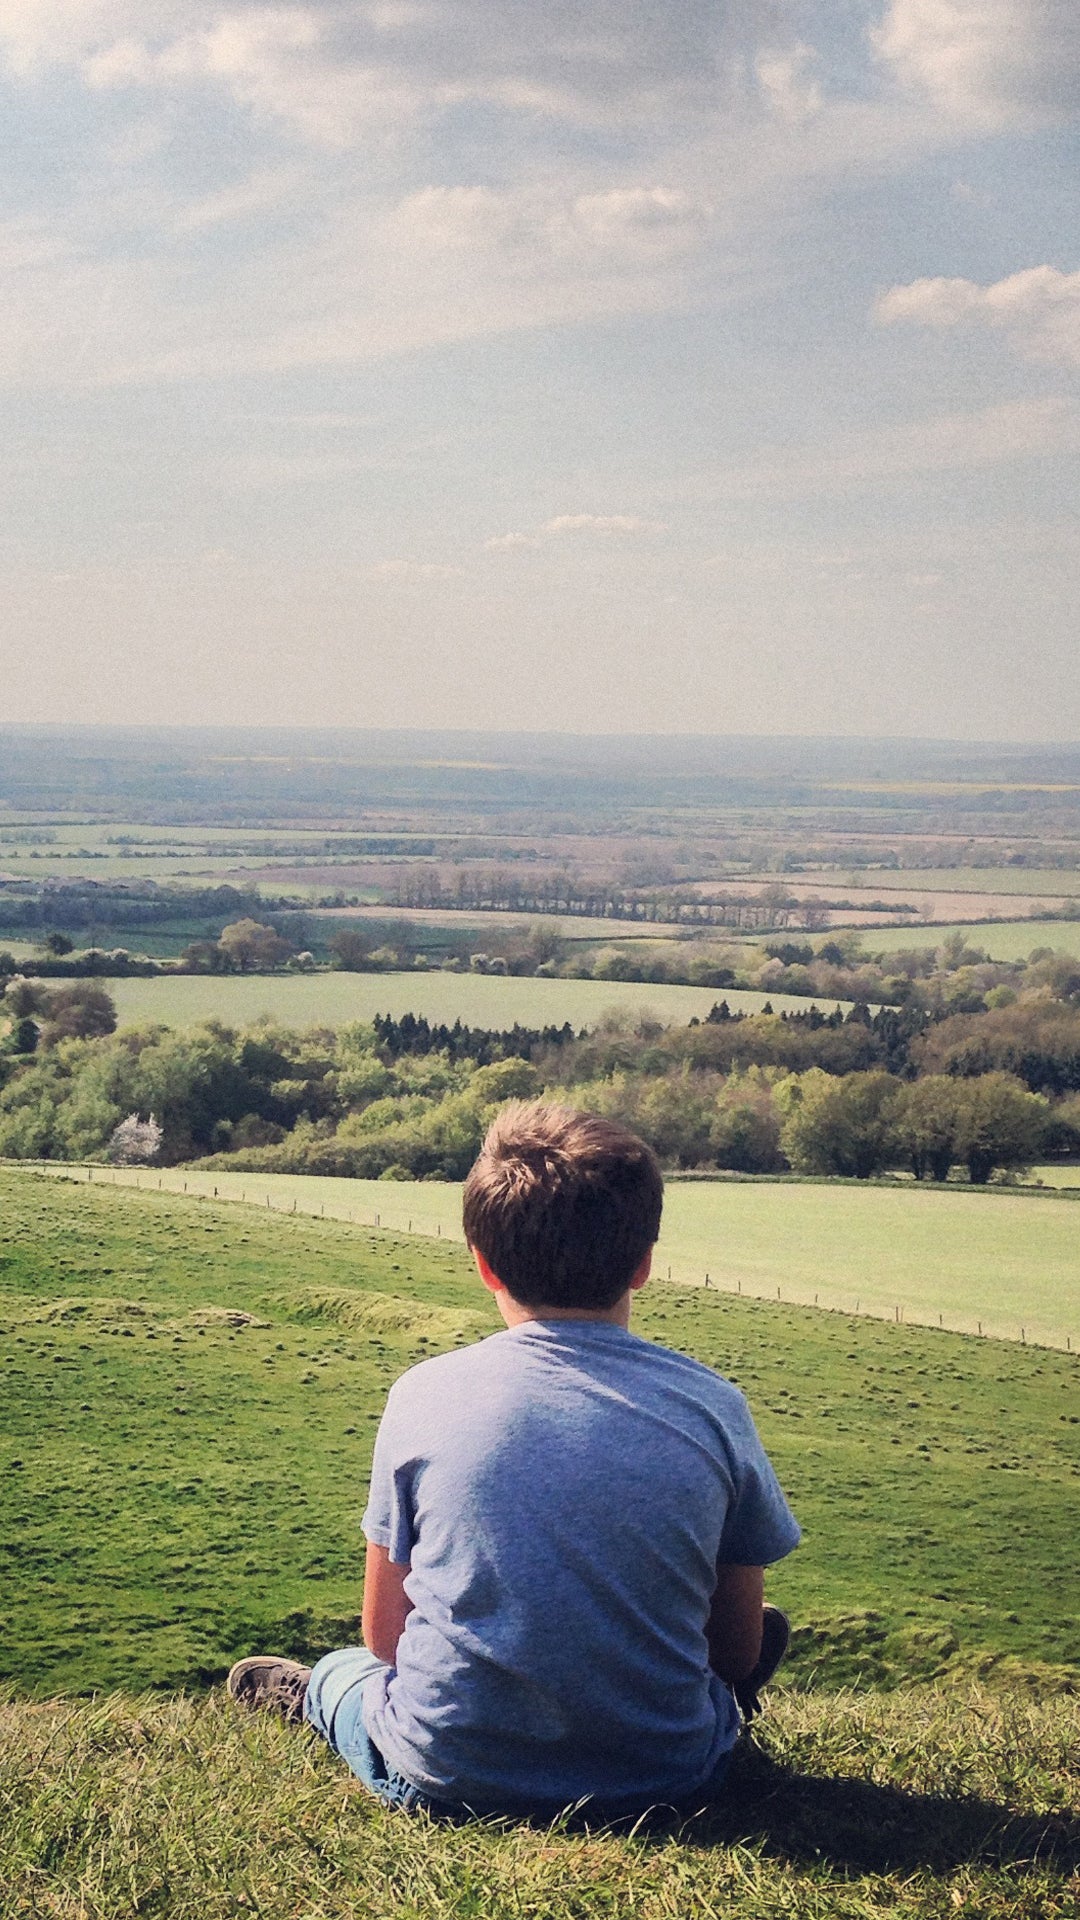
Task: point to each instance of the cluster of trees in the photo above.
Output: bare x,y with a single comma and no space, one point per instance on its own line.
848,1096
319,1101
244,946
955,977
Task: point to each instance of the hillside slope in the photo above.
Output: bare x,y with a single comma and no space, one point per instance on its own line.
189,1394
920,1804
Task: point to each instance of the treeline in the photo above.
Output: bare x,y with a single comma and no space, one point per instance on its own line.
851,1096
956,976
77,905
504,889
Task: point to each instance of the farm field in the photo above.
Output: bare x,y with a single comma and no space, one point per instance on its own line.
1003,1260
190,1395
478,1000
1001,939
1017,880
568,926
866,903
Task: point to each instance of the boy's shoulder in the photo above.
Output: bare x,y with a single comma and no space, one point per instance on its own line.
637,1365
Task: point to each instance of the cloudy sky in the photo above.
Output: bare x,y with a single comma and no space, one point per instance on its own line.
612,366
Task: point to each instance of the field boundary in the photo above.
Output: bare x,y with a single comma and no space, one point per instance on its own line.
412,1218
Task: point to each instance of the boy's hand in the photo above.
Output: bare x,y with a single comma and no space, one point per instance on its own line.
774,1640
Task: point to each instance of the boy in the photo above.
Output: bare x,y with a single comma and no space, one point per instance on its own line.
567,1525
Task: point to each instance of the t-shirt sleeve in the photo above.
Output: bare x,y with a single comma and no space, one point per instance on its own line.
388,1519
760,1526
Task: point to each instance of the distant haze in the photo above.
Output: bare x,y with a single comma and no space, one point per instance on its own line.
206,773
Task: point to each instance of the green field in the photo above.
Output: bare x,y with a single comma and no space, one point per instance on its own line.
478,1000
1002,1261
190,1393
1001,939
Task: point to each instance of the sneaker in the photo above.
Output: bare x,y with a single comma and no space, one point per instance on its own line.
264,1680
775,1634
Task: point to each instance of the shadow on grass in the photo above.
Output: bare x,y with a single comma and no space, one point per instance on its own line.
865,1828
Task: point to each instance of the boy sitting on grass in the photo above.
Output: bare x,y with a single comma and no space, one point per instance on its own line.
567,1525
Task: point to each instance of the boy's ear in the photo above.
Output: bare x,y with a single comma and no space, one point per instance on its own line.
488,1276
642,1273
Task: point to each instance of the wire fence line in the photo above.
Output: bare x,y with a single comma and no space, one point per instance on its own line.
443,1226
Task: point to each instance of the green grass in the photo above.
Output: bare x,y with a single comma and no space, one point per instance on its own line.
1001,939
937,1802
1005,1260
190,1394
478,1000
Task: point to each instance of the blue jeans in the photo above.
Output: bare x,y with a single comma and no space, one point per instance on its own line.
334,1706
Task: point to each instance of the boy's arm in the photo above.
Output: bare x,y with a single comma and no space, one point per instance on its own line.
386,1603
733,1629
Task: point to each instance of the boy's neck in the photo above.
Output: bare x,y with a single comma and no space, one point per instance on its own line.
517,1314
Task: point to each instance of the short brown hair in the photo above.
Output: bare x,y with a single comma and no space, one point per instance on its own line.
563,1205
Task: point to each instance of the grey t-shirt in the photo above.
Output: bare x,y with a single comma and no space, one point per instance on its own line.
563,1493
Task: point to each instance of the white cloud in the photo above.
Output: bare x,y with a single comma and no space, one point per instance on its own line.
412,570
788,79
941,443
1039,309
329,68
510,542
260,193
987,60
604,525
637,224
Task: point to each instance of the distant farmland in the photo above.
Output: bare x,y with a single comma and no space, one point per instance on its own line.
478,1000
1001,939
1005,1260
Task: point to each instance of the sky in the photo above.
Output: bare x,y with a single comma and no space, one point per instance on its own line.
607,367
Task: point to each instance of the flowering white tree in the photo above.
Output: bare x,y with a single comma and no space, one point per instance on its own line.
135,1142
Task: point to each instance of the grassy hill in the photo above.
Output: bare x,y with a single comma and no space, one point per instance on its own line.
190,1392
922,1804
188,1395
999,1260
